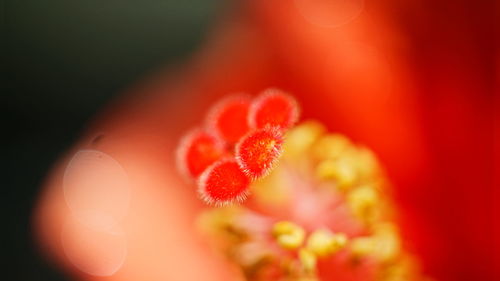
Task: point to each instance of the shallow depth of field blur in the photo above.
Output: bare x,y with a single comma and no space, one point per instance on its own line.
66,60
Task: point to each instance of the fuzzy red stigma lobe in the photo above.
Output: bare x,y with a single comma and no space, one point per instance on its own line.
258,152
275,108
197,151
228,118
223,183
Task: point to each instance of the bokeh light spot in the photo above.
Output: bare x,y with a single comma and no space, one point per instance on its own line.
95,181
98,248
329,13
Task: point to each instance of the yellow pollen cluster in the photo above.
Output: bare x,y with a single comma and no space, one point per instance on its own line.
324,243
327,201
288,235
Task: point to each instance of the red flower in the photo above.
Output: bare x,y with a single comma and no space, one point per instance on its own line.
409,80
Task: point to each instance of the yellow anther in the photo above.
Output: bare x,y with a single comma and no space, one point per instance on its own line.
288,235
330,146
362,202
388,244
327,173
308,260
300,138
339,240
362,246
339,170
404,268
324,243
366,162
394,273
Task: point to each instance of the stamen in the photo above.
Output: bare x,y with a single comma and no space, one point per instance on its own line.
273,108
325,190
223,183
341,171
324,243
308,260
288,235
301,138
388,244
258,152
362,202
362,247
330,146
366,163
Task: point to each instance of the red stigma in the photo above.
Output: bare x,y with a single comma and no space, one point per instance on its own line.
273,107
223,183
258,151
241,141
228,118
197,151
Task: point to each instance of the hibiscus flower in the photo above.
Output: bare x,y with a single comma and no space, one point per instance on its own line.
408,80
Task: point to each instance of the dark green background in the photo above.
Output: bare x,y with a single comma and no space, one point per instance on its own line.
62,61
